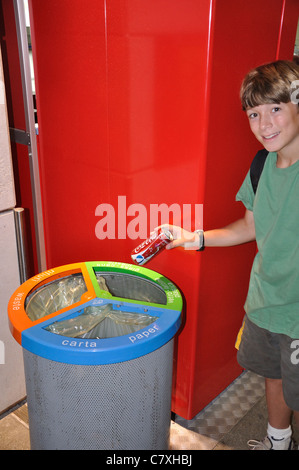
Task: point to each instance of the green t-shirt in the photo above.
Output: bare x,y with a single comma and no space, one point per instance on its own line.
273,295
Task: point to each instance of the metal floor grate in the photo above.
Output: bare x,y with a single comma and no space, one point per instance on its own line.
220,416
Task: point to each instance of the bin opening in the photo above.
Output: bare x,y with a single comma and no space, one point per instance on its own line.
55,296
98,322
130,286
66,291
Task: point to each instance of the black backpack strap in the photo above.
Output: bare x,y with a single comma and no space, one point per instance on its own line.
256,167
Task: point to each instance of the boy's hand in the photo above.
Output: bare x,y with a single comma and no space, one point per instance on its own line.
181,237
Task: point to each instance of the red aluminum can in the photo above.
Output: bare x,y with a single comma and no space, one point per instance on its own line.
152,246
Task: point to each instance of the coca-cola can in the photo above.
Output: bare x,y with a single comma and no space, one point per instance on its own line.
151,246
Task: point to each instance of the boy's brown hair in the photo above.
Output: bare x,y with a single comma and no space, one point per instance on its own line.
270,83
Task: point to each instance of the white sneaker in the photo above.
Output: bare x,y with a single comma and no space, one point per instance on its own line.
269,443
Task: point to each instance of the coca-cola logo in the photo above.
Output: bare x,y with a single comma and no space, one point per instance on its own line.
145,243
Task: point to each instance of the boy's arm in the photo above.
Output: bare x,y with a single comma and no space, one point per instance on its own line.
239,232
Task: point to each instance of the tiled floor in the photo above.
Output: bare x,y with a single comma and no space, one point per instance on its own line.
237,415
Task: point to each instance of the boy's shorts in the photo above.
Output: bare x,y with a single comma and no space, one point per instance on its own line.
271,355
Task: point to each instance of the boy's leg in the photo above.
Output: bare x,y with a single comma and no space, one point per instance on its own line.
260,351
279,413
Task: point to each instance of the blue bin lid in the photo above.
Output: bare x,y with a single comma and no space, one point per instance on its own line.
92,351
37,338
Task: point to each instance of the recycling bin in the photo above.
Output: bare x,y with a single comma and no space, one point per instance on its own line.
97,340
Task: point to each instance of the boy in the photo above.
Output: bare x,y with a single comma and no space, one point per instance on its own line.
267,340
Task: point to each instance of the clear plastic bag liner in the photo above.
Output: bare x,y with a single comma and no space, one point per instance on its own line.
101,322
132,287
55,296
66,291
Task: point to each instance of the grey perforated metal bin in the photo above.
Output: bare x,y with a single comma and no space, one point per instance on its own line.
97,340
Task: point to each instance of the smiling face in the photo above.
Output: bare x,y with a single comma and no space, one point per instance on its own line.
267,97
276,126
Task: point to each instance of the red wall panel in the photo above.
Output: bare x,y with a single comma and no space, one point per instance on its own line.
69,52
288,28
